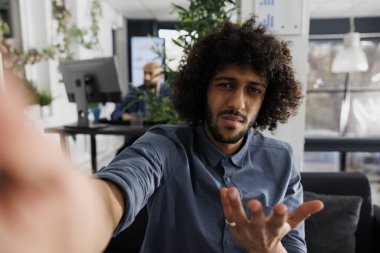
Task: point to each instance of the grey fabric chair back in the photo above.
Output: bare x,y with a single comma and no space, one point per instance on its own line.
347,183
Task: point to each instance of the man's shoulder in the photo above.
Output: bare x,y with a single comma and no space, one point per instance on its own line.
166,135
261,140
133,92
172,130
136,89
165,90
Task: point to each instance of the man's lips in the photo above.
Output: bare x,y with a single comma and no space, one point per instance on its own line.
233,118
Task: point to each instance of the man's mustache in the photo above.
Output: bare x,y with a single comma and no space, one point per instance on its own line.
151,86
233,113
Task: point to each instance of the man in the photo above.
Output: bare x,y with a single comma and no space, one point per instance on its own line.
134,101
214,185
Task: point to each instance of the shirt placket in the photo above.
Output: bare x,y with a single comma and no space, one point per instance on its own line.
228,242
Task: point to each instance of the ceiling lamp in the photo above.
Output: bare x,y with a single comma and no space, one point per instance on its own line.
351,58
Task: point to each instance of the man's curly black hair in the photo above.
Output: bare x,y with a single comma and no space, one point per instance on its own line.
246,45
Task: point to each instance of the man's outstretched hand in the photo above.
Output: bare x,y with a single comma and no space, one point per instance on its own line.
45,205
260,233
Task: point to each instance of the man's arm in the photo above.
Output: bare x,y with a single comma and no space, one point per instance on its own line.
45,204
130,104
113,200
118,112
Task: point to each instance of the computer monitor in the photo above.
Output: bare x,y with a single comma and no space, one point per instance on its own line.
90,81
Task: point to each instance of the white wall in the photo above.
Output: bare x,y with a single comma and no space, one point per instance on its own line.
293,131
122,53
35,33
110,20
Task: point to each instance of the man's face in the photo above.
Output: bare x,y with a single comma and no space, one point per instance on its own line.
152,75
234,97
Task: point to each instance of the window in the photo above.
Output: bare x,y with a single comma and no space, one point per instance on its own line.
326,92
173,52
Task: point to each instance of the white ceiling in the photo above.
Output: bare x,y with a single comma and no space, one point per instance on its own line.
162,9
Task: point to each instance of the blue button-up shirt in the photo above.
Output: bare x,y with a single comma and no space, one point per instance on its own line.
178,173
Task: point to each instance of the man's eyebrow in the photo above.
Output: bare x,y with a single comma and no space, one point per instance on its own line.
228,78
258,83
224,78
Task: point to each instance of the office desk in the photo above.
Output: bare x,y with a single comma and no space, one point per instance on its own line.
133,131
342,145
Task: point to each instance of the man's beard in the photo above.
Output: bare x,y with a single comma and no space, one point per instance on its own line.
217,134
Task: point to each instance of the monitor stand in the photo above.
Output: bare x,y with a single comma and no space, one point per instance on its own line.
84,123
82,89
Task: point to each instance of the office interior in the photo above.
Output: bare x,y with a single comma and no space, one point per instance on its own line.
337,128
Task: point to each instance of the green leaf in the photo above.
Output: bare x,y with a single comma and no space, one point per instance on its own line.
178,7
44,98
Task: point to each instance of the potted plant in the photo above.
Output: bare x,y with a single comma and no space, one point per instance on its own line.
41,98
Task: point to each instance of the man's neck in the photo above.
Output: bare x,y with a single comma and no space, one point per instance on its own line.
226,148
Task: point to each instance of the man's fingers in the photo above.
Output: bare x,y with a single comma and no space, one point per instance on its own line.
234,212
232,206
258,218
279,217
226,205
304,211
236,206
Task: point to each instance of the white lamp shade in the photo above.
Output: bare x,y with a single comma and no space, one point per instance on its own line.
351,58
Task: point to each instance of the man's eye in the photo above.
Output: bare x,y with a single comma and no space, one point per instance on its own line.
254,91
225,85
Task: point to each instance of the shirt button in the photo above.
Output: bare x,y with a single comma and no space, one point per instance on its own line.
228,179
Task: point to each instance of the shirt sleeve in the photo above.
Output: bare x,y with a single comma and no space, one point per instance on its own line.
132,103
294,241
118,112
139,170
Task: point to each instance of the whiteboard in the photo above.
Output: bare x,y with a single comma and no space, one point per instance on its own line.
281,16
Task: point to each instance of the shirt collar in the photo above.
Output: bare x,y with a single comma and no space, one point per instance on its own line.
214,156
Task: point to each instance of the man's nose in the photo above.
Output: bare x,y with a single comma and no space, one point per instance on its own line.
237,100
